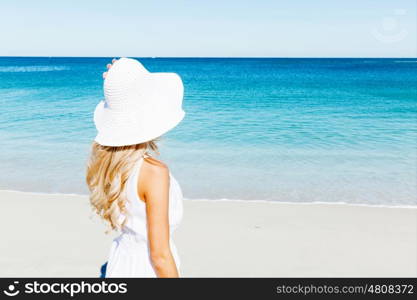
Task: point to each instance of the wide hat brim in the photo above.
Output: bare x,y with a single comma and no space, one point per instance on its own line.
160,113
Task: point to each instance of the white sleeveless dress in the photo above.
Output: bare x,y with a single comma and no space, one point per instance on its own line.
129,253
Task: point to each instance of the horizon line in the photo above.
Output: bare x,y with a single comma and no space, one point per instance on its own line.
228,57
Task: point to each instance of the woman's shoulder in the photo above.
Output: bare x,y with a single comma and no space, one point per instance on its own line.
154,169
154,178
155,165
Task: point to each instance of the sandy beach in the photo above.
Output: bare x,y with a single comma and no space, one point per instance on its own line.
50,235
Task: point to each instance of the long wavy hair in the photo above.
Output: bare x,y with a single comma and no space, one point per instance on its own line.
107,172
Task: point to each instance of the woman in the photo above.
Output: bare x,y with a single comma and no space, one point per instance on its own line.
135,193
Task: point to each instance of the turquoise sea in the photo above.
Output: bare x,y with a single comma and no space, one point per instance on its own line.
290,130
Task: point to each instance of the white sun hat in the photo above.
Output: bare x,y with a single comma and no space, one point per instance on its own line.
139,105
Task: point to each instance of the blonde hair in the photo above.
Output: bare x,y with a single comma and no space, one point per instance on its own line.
107,172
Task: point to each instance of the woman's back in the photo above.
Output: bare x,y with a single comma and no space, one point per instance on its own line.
129,254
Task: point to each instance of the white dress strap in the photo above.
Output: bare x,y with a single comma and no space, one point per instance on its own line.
132,192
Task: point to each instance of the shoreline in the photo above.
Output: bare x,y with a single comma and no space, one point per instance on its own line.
239,200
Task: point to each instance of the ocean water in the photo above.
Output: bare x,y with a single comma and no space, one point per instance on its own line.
291,130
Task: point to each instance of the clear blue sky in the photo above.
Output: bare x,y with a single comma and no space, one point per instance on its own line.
277,28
